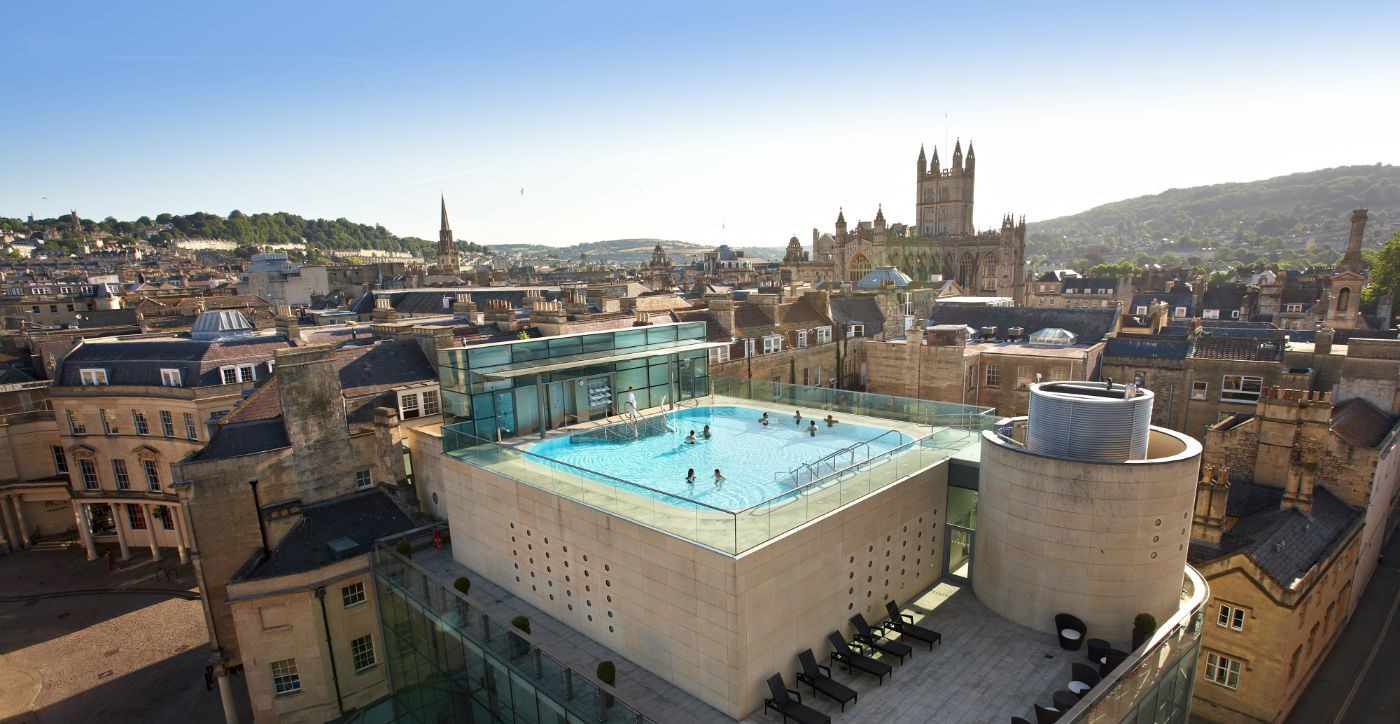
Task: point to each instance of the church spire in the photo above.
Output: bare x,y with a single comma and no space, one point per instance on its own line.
923,162
447,259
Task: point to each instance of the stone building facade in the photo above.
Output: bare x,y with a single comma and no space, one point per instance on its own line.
943,363
128,410
34,500
1290,517
284,504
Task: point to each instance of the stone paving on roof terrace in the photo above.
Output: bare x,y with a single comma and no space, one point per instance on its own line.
987,669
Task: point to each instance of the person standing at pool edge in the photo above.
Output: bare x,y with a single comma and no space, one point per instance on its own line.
631,402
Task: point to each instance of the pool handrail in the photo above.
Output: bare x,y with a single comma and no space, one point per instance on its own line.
829,457
833,474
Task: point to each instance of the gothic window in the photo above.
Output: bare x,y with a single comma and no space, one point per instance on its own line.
965,270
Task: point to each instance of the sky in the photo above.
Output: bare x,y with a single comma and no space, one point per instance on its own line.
708,122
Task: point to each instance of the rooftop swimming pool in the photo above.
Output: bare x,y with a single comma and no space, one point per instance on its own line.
759,462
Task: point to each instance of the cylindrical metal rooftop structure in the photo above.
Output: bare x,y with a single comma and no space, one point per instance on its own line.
1089,420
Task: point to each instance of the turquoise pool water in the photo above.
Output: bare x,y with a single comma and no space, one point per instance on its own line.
758,462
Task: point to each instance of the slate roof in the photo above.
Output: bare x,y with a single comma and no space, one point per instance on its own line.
751,321
1173,301
1247,498
11,374
368,374
803,315
1287,543
1239,348
1225,297
1147,348
1359,423
1089,325
361,518
1299,295
139,362
244,438
858,310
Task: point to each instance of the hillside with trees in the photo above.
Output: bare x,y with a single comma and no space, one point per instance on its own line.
1295,221
251,230
627,252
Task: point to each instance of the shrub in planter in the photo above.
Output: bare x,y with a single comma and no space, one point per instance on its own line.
1144,624
607,673
521,646
464,586
403,548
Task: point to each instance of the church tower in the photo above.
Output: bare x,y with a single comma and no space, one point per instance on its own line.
1351,260
944,196
447,260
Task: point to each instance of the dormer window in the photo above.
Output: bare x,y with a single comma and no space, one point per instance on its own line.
419,403
772,343
170,377
93,376
824,335
233,374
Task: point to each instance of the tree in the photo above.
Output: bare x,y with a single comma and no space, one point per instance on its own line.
1384,277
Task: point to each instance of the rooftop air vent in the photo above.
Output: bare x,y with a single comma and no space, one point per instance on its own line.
1090,420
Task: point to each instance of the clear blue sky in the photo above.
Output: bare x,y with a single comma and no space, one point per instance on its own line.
743,122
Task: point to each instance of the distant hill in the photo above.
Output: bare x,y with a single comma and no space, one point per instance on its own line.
625,251
1307,214
250,229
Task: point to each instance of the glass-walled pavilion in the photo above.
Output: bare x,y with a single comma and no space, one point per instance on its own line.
535,385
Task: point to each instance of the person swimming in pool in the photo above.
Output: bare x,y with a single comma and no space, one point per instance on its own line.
797,417
690,475
690,439
830,421
719,478
763,420
812,429
706,433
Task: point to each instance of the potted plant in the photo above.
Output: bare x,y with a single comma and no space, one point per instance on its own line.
1144,624
607,673
520,645
464,585
404,548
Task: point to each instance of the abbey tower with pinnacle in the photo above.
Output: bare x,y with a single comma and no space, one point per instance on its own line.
941,241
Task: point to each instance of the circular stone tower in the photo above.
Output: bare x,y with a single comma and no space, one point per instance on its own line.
1084,508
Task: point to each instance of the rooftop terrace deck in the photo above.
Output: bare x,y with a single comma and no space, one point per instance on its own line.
986,669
